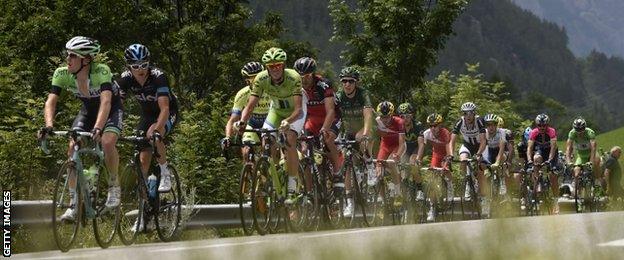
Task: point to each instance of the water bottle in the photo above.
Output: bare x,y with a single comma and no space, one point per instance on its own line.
152,185
391,191
90,176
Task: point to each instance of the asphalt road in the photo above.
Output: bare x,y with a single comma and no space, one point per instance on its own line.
574,236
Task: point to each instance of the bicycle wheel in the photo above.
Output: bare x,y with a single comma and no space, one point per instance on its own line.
470,208
334,201
263,197
315,214
106,219
297,213
132,203
244,198
347,170
359,197
169,209
579,195
65,230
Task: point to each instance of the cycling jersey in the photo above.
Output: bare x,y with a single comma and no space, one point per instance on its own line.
438,145
282,98
260,111
100,79
542,139
316,96
389,136
411,137
351,109
582,144
493,141
470,133
155,86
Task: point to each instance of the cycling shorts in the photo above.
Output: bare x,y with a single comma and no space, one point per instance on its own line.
85,121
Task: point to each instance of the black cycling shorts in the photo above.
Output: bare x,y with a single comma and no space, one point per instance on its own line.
85,121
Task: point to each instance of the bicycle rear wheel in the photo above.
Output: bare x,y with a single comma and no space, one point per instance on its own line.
335,201
244,198
169,209
106,219
132,203
65,230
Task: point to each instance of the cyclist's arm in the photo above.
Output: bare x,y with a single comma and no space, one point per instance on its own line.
530,144
568,153
368,120
249,108
451,144
330,112
482,143
50,109
163,104
297,111
402,147
421,148
501,150
228,127
553,148
105,105
592,145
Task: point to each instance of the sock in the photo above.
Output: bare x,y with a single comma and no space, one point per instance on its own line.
72,196
292,183
163,169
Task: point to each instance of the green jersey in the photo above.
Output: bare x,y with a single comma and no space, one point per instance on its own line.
351,109
282,96
582,143
259,113
100,79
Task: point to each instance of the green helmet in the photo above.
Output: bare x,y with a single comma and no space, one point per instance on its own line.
405,108
274,55
350,72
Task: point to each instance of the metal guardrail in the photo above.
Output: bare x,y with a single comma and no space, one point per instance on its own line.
36,214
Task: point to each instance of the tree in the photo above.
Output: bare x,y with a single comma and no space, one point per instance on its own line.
394,42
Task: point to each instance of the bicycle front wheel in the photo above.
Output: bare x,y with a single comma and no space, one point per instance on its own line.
106,219
244,198
132,203
169,209
65,229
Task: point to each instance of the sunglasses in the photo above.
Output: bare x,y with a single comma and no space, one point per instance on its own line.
491,124
72,55
542,126
347,81
275,65
434,126
468,112
138,66
405,115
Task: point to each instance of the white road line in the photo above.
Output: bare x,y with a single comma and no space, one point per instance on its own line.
613,243
344,232
206,246
67,256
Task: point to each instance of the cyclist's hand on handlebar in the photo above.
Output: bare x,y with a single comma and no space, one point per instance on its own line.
284,125
44,131
97,134
238,125
225,142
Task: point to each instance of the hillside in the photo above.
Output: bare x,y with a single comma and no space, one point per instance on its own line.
590,24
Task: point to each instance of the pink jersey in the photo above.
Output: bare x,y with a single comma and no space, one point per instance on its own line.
542,139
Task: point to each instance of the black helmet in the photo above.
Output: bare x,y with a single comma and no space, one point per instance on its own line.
251,69
305,65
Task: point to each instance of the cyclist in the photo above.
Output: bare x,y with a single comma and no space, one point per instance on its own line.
101,111
413,142
439,137
542,144
287,112
509,153
321,112
613,173
583,139
159,107
249,72
392,146
522,146
356,116
496,142
472,128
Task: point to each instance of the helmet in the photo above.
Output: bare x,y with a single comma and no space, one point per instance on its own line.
579,124
83,46
468,106
350,72
274,55
434,119
542,119
490,118
305,65
385,108
501,122
251,69
405,108
136,52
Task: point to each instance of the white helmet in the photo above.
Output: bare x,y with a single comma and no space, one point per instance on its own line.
83,46
468,106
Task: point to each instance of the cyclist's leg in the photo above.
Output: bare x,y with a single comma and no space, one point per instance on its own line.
249,137
81,123
146,155
554,179
329,137
464,154
112,130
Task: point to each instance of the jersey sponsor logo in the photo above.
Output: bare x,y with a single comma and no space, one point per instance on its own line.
143,97
156,72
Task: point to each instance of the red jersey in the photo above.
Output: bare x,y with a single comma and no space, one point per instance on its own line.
390,133
438,143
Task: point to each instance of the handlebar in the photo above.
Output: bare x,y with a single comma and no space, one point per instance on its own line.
73,134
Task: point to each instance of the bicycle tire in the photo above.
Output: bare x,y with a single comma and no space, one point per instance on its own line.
263,195
245,185
335,201
106,219
169,209
296,214
132,204
65,234
315,217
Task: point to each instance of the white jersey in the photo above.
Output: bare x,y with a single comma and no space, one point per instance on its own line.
494,139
